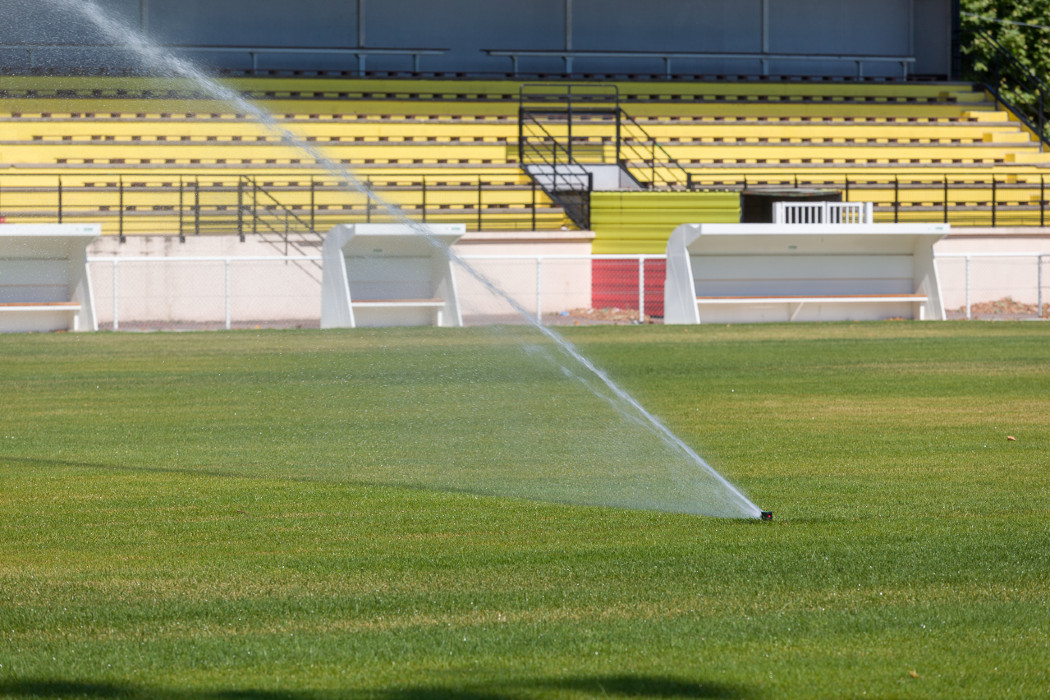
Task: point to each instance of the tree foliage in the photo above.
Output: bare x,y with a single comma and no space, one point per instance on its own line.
1022,30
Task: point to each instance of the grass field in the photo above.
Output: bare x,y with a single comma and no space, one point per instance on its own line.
262,515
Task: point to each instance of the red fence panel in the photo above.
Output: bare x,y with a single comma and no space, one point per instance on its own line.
614,284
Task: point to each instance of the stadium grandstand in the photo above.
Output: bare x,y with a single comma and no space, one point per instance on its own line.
510,116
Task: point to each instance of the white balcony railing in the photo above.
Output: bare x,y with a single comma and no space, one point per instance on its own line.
822,213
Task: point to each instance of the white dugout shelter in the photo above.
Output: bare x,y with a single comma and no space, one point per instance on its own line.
746,273
44,280
389,275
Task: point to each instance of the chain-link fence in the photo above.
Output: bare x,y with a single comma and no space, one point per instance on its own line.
138,293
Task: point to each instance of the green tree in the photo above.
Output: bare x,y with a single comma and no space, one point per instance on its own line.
1021,29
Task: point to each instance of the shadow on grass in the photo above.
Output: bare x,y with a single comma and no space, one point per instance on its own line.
615,686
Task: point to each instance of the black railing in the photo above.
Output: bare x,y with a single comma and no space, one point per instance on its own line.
962,200
642,155
247,205
989,63
273,216
552,166
592,127
250,206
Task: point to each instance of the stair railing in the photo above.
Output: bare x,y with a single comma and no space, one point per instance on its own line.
551,164
270,214
1002,74
636,145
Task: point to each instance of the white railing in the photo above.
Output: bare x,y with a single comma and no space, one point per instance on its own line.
823,213
236,291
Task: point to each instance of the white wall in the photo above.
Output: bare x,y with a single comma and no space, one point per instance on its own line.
279,293
993,278
156,286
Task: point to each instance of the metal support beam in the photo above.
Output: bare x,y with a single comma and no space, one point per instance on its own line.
361,24
568,25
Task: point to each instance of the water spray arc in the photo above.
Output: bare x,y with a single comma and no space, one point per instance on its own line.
160,62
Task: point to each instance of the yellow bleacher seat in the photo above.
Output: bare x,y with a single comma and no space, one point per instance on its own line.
454,133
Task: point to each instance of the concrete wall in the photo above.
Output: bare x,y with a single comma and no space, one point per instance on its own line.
920,28
992,278
156,291
160,282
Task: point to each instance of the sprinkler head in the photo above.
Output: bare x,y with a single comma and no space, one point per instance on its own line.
767,515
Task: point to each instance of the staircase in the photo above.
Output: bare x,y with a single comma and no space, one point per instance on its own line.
574,139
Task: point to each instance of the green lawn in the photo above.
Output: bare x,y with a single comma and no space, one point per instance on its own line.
298,514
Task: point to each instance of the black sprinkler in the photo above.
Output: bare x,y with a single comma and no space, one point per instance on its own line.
767,515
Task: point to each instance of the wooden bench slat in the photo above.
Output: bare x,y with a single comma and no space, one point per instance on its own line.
843,298
72,305
818,297
397,302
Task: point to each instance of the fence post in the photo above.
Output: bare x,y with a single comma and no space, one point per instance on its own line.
1039,285
1042,122
521,133
533,203
116,296
240,206
946,198
182,235
652,164
313,201
423,204
368,200
196,205
993,201
896,199
568,140
641,289
59,199
539,289
967,287
619,132
227,261
1042,200
120,208
479,202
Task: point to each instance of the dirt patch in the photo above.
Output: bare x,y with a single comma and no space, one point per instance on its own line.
588,317
1001,309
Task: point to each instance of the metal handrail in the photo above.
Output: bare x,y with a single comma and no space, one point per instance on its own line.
578,180
568,93
288,212
567,57
679,175
360,53
599,100
124,207
526,148
1006,68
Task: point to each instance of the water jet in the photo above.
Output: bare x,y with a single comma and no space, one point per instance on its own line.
695,482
